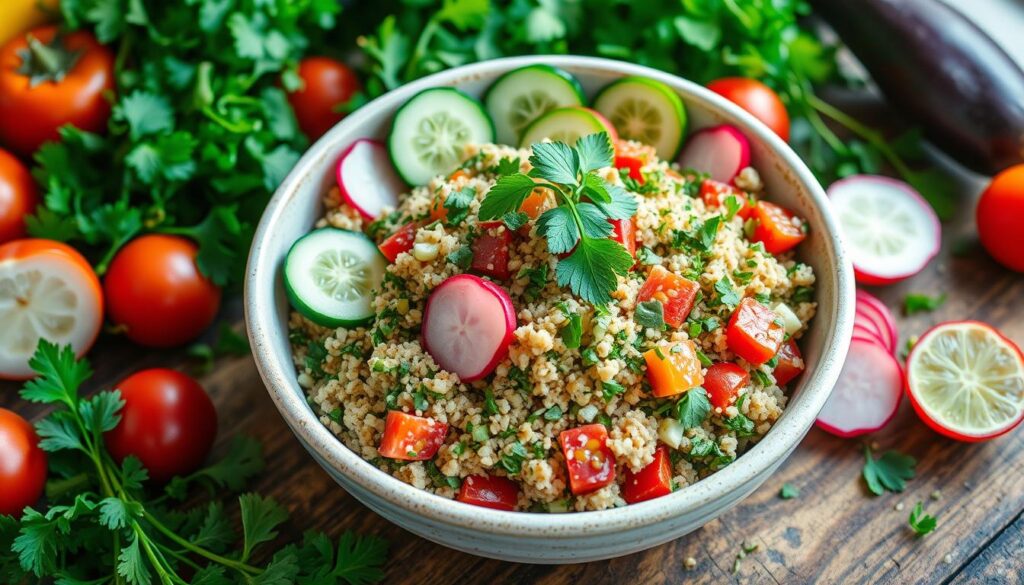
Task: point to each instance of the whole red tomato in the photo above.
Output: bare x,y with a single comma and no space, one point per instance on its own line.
61,81
168,422
22,464
156,294
18,197
327,84
756,98
1000,218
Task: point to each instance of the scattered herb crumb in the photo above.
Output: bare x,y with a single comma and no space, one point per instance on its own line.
690,563
789,491
920,303
921,523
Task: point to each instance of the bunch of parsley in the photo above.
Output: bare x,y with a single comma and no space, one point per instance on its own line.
102,524
700,40
201,131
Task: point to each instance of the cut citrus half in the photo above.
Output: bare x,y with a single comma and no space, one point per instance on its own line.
966,381
48,291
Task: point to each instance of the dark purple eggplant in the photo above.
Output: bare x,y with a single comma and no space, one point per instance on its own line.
941,71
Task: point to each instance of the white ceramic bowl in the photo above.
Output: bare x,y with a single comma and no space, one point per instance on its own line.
529,537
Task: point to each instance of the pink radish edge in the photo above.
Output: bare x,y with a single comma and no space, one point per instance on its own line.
896,392
508,311
871,304
702,159
868,278
349,197
866,320
612,133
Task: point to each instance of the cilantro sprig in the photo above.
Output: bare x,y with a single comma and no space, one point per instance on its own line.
579,226
102,524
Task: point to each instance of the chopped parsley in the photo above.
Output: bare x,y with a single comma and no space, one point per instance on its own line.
611,389
701,447
461,257
920,522
490,406
457,205
650,314
554,413
693,407
572,332
514,220
889,472
919,303
725,294
538,278
647,256
789,491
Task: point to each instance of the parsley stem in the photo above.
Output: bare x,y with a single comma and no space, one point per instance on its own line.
236,565
155,561
870,135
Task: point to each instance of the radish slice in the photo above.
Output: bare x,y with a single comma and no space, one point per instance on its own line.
966,381
866,331
367,180
875,311
890,230
722,152
467,326
867,394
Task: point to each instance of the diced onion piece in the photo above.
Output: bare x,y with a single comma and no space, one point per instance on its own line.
424,252
670,431
588,413
789,319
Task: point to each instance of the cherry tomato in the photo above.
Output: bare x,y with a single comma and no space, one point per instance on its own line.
653,481
490,250
1000,218
327,84
22,464
154,290
168,422
756,98
673,369
398,242
411,438
624,232
590,461
675,293
791,363
723,383
499,493
754,332
18,197
31,111
777,228
715,193
633,164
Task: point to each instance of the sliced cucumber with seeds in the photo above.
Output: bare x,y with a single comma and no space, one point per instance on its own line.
430,132
647,111
330,276
567,125
522,95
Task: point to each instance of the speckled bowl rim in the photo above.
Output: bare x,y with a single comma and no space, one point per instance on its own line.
280,378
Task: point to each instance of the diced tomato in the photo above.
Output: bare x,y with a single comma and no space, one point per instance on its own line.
675,293
438,212
410,437
634,164
490,250
591,464
723,383
624,232
534,203
754,333
673,369
398,242
653,481
458,174
715,193
791,363
499,493
777,228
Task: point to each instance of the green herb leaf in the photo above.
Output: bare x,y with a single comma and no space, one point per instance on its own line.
461,257
506,196
915,303
595,224
693,408
701,447
726,294
595,151
889,472
260,519
920,522
131,565
650,314
789,491
514,221
554,413
560,229
647,256
591,271
457,205
572,332
557,162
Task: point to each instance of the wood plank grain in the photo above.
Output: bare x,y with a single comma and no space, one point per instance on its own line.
998,563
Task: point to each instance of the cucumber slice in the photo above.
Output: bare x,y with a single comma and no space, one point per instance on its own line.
330,276
647,111
567,125
522,95
431,130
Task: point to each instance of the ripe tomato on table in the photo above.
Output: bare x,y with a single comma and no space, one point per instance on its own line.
758,99
47,81
168,422
156,293
18,197
1000,218
328,84
22,464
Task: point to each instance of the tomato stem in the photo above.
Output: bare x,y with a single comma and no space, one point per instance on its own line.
46,62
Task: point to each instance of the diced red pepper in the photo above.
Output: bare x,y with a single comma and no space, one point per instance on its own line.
633,163
754,332
791,363
491,249
534,203
723,382
777,228
675,293
715,193
499,493
673,369
653,481
591,464
398,242
624,232
410,437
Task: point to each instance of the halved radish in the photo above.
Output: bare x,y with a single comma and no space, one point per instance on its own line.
467,326
868,391
367,180
965,379
567,125
49,291
868,331
890,230
870,309
722,152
